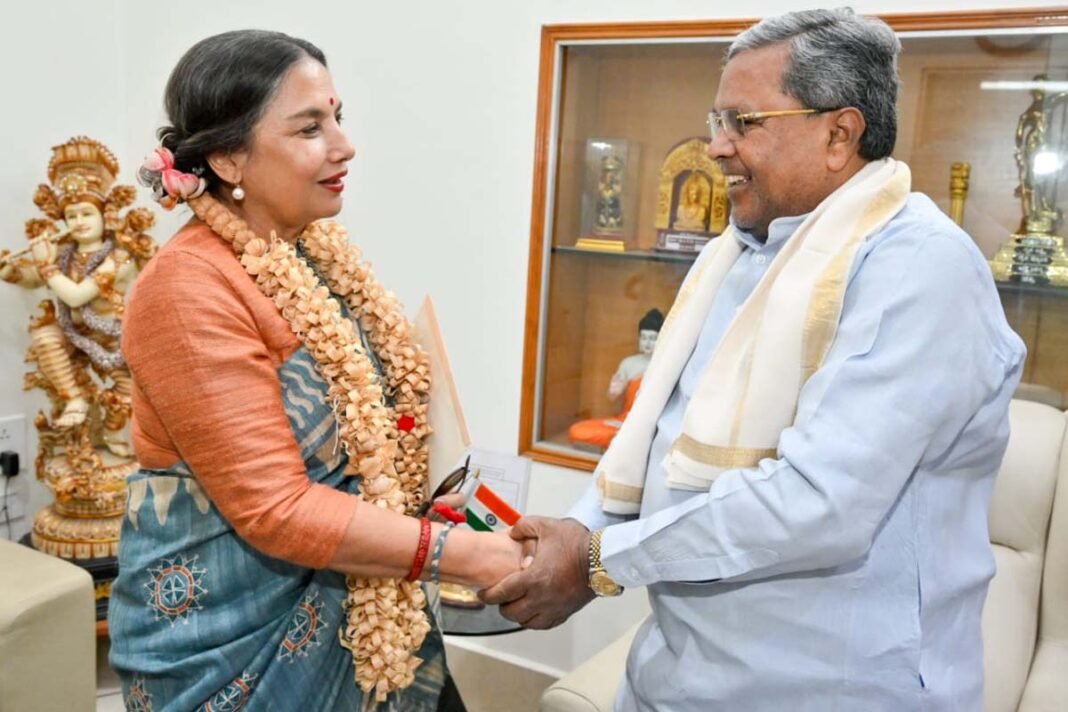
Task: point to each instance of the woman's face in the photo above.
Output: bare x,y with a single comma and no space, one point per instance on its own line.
293,171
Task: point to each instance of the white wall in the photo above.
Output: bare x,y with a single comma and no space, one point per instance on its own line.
61,78
440,100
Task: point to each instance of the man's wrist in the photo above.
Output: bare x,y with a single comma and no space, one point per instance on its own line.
584,562
600,583
578,521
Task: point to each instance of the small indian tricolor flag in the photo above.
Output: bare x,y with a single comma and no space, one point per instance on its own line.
486,512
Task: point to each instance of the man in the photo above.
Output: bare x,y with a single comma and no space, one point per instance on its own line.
803,482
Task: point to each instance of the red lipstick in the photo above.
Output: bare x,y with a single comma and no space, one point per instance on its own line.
334,182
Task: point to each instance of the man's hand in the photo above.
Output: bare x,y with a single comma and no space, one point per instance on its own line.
556,583
498,557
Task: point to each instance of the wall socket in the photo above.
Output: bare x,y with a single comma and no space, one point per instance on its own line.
13,437
15,508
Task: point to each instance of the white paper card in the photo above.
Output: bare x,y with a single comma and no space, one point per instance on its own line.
450,439
507,475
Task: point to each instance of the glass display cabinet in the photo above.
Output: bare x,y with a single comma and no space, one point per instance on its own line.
625,197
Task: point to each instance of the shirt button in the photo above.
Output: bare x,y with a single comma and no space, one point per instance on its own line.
760,259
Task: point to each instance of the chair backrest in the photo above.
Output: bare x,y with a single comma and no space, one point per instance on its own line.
1047,684
1019,527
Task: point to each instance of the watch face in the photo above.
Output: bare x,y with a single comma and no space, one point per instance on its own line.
603,585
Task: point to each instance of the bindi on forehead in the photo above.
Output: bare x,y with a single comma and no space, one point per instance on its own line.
331,101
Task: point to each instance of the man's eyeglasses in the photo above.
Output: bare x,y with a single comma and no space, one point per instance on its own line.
733,122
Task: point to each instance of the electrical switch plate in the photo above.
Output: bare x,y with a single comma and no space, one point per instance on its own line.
13,437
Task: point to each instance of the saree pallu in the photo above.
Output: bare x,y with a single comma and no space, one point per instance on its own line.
202,621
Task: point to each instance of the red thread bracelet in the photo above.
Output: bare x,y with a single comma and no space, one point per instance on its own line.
420,551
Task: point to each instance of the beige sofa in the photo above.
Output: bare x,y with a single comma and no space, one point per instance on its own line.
1025,621
47,633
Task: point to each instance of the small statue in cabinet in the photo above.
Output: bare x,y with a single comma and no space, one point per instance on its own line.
608,196
692,205
598,432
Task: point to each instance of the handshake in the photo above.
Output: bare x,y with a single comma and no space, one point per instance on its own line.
540,571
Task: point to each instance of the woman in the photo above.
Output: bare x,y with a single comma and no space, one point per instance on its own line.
269,367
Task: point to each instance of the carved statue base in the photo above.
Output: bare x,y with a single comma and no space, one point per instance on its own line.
681,241
1032,258
600,244
74,527
83,524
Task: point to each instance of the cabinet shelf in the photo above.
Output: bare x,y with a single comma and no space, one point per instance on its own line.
1034,290
642,255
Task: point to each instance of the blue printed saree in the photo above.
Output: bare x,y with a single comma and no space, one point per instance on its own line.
201,621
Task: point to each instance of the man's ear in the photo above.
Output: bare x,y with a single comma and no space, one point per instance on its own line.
843,142
228,166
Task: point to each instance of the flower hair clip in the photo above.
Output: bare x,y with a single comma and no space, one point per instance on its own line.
169,185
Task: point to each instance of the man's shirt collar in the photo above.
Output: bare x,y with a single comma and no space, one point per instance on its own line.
778,231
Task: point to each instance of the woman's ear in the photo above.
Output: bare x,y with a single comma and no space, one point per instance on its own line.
228,166
844,140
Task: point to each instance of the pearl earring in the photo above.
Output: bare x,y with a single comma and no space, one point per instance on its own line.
238,193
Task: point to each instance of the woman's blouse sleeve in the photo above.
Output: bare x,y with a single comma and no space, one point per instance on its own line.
202,366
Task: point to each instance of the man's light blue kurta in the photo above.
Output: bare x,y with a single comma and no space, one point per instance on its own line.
850,572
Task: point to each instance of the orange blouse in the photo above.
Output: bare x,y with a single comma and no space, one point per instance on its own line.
204,345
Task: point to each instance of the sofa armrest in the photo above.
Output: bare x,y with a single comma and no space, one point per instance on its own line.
47,633
592,686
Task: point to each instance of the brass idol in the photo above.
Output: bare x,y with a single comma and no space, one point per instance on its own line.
1035,254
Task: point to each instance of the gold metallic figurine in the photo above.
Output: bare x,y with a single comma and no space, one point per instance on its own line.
1035,254
691,206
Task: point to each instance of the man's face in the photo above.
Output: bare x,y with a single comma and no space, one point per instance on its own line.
778,168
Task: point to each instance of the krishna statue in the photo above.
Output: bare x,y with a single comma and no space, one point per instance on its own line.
83,455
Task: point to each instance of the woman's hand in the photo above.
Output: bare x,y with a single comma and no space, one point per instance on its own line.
453,501
500,556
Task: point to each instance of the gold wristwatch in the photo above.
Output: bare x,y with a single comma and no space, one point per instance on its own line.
600,582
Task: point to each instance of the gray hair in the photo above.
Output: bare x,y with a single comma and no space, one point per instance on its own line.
837,59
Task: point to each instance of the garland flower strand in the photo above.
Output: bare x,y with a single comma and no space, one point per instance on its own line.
383,427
